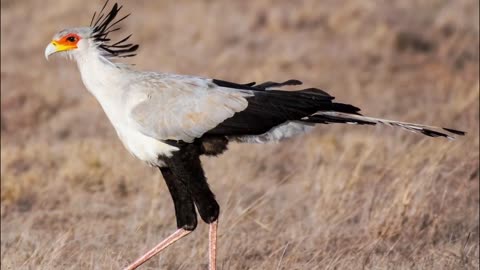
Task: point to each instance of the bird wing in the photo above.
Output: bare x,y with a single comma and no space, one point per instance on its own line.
173,107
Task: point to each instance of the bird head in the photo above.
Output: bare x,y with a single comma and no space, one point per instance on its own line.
69,41
75,41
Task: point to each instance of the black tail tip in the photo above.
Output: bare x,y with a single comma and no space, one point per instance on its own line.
345,108
454,131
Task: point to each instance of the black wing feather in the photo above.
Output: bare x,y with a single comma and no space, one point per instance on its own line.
270,108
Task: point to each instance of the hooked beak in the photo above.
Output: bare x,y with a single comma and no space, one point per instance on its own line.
51,49
55,47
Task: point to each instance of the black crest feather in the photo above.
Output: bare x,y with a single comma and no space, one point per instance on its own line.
106,23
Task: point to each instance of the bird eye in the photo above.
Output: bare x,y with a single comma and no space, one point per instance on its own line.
71,39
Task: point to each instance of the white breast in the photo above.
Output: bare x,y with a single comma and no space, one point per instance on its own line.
109,83
143,147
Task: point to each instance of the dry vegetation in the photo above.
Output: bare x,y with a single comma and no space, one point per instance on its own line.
341,197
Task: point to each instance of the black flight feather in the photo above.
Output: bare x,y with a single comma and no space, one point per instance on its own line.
268,108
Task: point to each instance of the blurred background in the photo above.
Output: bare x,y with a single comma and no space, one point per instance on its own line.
340,197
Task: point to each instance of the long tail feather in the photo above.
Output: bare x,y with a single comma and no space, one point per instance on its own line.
340,117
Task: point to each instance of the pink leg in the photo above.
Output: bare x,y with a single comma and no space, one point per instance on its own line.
161,246
212,246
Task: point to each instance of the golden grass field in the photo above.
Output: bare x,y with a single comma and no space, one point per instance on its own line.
340,197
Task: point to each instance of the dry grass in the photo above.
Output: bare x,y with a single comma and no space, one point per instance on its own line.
341,197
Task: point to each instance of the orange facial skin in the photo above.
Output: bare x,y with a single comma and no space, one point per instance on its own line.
67,42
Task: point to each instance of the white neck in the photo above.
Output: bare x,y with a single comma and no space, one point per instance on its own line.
106,81
101,77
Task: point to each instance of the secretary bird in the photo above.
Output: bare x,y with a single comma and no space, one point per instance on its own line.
169,121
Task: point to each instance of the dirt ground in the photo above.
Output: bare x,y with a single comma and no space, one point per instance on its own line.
340,197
